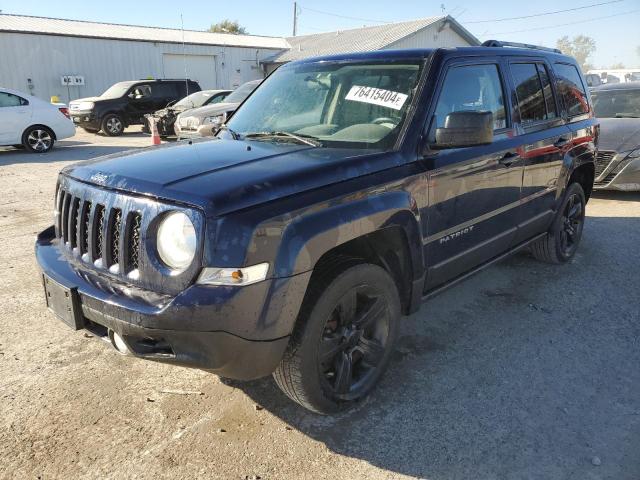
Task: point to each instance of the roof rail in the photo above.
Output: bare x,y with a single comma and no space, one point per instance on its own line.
498,43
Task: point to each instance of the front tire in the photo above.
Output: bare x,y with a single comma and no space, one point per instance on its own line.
112,125
38,139
343,339
561,242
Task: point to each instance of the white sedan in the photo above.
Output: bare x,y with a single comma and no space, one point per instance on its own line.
30,122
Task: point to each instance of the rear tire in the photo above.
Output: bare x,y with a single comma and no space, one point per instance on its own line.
38,139
561,242
112,125
343,339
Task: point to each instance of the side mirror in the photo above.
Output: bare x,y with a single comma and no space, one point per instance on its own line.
465,129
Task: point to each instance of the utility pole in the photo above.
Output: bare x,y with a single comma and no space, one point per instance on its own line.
295,18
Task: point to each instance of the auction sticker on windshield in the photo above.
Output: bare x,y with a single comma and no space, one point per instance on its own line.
377,96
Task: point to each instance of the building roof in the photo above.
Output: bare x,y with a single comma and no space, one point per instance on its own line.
364,39
76,28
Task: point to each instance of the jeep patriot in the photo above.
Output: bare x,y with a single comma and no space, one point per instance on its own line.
344,192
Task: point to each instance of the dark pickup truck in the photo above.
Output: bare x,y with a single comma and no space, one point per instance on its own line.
341,194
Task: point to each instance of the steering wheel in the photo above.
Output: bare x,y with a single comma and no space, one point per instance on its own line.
381,120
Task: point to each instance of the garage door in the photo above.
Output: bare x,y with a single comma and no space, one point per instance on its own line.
201,68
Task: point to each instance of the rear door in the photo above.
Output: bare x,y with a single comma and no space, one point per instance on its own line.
474,191
15,116
545,140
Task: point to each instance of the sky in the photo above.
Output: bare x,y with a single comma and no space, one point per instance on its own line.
613,26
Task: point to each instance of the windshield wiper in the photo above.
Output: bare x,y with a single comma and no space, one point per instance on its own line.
234,134
300,137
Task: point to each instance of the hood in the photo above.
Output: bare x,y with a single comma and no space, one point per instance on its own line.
215,109
87,99
171,110
619,134
222,176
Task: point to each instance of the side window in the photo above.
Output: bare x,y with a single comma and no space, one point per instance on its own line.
531,99
571,89
140,92
164,90
10,100
549,99
472,88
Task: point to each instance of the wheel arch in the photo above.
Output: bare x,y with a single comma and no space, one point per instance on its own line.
584,175
41,125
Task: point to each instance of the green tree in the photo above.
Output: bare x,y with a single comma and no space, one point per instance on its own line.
580,48
617,66
228,26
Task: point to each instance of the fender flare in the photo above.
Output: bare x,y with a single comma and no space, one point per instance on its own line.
309,236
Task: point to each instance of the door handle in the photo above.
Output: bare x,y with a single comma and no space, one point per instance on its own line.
561,142
508,158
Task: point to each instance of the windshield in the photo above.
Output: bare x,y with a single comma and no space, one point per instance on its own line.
242,92
616,103
194,100
117,90
353,105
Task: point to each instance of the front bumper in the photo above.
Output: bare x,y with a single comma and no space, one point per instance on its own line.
624,176
236,332
85,119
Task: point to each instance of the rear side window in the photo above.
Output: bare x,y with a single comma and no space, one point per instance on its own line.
472,88
164,90
571,89
533,90
10,100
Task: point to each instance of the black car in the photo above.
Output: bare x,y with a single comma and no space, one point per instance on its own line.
617,106
126,103
166,117
342,193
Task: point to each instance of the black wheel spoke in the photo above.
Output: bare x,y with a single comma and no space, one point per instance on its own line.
348,305
330,347
372,351
343,373
370,314
575,212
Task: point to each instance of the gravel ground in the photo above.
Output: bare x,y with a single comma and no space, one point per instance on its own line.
525,371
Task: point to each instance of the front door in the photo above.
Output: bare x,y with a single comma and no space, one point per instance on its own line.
15,116
140,103
474,192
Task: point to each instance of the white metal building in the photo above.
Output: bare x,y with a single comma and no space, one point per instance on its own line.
74,59
430,32
35,53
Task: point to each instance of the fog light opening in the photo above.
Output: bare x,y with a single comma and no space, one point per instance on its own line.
118,343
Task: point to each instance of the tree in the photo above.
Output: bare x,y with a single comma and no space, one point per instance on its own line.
228,26
580,48
617,66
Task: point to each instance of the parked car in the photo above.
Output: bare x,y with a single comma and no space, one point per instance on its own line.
27,121
126,103
617,106
166,118
619,75
204,121
343,192
593,80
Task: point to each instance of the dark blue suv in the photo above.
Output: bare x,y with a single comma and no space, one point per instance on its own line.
341,194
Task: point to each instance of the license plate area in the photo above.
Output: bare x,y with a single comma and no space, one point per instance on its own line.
63,302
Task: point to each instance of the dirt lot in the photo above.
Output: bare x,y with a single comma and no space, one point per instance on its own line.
526,371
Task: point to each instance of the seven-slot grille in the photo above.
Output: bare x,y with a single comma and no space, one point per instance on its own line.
603,160
102,235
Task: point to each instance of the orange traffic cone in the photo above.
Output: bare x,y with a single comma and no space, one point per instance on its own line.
155,136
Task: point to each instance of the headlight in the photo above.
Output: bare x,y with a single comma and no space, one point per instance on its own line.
234,276
85,106
177,241
214,120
